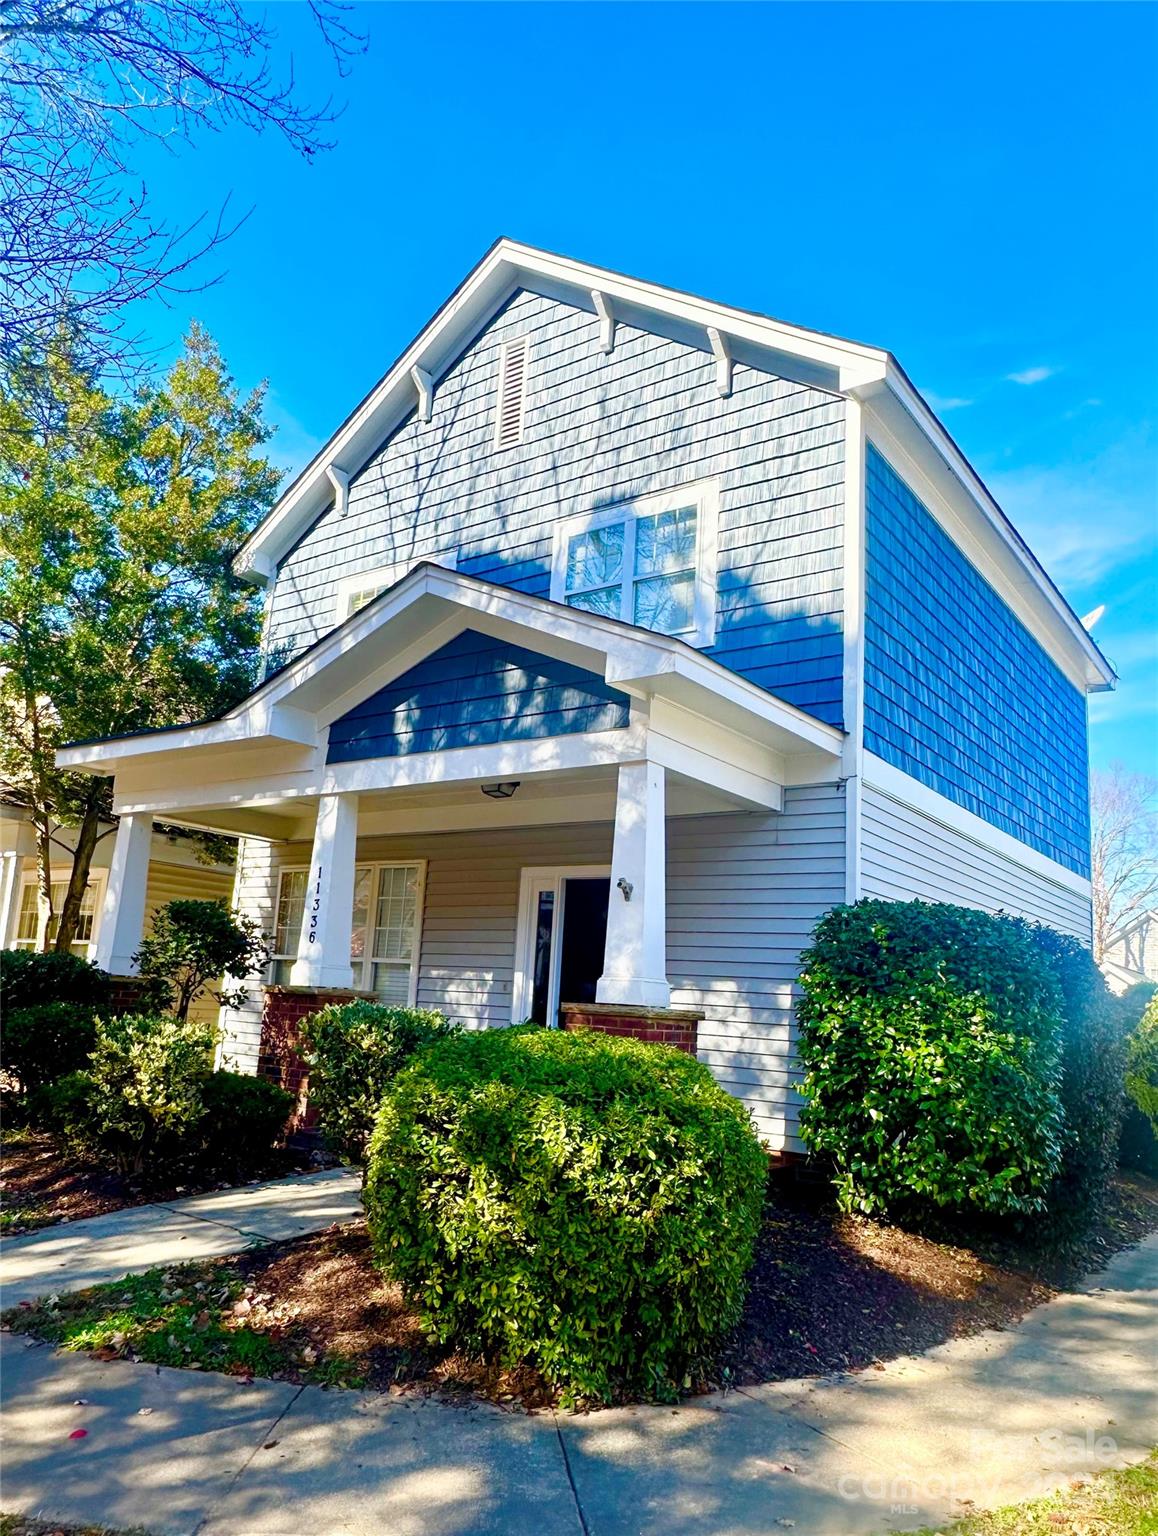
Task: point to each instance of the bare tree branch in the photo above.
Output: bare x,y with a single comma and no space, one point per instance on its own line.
82,82
1124,851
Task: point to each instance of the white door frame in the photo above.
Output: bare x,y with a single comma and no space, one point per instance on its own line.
533,880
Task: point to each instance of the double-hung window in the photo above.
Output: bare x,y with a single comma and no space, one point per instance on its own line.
385,929
28,916
650,562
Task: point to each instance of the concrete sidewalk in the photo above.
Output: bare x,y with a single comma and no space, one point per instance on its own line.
81,1253
994,1419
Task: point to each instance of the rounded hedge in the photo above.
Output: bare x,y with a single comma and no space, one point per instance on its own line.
354,1051
930,1037
582,1203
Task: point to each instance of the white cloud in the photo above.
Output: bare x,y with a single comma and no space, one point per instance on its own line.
1084,520
1036,375
945,402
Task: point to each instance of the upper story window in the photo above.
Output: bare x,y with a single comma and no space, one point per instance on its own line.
650,562
354,592
511,404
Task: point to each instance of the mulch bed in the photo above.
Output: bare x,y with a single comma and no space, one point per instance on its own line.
42,1183
828,1293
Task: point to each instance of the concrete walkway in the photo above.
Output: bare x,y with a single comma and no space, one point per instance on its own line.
993,1419
80,1253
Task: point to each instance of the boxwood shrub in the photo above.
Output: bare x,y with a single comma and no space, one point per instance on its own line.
585,1204
929,1035
242,1117
354,1050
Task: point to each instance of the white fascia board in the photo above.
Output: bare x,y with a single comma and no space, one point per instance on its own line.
265,724
1020,578
901,786
506,267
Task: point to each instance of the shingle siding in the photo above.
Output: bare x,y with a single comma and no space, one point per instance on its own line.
957,692
601,429
744,892
475,691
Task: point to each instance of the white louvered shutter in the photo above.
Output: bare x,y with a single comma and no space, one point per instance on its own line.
512,392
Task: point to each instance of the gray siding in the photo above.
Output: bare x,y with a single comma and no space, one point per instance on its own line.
602,428
744,892
908,855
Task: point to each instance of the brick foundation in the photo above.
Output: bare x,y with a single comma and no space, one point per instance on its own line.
279,1057
127,994
659,1026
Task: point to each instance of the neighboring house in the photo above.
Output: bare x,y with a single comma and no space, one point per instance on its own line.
1131,956
627,633
174,873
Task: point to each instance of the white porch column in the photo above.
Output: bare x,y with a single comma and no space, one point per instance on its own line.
324,946
635,957
123,913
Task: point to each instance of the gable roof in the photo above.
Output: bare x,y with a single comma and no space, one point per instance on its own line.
826,362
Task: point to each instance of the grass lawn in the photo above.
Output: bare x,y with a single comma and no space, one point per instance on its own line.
1113,1504
26,1525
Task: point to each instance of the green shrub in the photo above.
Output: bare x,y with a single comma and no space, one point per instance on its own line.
1093,1042
584,1203
244,1116
354,1051
64,1106
194,943
29,979
929,1038
46,1041
147,1074
1142,1064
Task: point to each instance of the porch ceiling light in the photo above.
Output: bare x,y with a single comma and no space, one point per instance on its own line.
502,791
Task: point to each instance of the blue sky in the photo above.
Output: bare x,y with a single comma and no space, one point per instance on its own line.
973,187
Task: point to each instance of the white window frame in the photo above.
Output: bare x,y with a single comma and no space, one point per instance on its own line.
704,495
381,577
97,879
533,880
368,961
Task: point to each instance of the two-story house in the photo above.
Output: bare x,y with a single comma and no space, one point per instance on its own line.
616,636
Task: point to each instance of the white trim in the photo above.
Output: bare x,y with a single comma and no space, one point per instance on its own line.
640,661
723,356
854,617
368,960
904,788
606,319
532,880
704,495
382,577
340,480
424,384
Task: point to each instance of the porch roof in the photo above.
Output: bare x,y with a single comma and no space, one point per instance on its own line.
272,745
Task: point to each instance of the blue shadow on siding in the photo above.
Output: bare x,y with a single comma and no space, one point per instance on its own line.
958,693
475,691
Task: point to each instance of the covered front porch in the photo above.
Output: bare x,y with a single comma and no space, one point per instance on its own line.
467,798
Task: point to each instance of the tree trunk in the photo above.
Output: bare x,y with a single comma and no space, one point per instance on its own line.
86,840
43,880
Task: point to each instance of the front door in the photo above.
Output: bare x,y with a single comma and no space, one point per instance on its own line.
562,932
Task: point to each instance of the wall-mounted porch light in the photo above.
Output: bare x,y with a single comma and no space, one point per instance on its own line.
502,791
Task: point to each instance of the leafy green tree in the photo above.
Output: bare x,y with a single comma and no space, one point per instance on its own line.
193,943
118,607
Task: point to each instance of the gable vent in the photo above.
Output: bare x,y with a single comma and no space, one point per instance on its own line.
512,392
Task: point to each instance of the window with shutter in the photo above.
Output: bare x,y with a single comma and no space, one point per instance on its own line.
512,394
